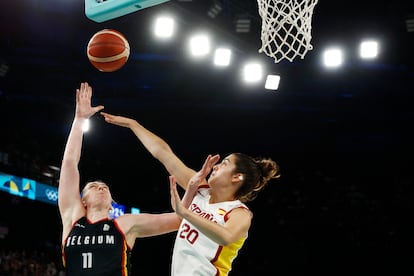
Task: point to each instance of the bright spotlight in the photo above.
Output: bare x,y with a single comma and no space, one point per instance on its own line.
86,126
252,72
222,57
164,27
368,49
199,45
332,57
272,82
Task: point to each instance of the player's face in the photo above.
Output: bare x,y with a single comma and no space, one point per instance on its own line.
223,172
98,192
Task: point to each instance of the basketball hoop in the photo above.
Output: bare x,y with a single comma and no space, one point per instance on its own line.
286,28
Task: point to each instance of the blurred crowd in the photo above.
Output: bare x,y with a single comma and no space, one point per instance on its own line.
20,262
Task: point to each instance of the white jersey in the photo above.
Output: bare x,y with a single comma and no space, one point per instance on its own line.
194,253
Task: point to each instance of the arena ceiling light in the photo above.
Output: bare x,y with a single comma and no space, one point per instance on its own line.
272,82
164,27
199,45
333,57
222,57
252,72
215,9
409,23
86,125
243,24
368,49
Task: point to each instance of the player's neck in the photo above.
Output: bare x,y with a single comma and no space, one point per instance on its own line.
96,215
221,196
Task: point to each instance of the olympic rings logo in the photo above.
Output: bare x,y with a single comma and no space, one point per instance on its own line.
51,194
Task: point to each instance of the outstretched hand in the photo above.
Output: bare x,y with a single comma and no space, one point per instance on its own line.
208,165
199,178
83,102
117,120
175,197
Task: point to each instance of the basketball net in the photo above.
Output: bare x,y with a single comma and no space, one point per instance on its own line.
286,28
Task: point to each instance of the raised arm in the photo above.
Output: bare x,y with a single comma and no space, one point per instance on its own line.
69,201
236,226
156,146
199,178
239,219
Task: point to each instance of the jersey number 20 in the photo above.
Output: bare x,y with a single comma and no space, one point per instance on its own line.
188,233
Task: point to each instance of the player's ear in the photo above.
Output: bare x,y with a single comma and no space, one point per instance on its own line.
238,177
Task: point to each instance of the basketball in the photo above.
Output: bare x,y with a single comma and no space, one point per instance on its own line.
108,50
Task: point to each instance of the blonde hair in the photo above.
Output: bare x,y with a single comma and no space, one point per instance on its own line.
99,182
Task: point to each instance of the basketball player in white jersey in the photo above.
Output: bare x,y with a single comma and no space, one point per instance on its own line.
216,224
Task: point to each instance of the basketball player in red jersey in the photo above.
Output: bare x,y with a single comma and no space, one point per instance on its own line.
92,243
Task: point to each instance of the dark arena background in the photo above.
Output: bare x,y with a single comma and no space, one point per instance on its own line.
343,136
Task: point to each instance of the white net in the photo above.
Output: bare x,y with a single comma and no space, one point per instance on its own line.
286,28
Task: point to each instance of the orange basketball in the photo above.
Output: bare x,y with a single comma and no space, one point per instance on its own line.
108,50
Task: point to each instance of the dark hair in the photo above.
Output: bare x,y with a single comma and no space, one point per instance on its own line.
256,174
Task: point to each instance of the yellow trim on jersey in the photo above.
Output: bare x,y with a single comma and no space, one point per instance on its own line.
226,256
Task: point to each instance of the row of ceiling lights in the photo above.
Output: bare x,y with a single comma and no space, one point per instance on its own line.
199,46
